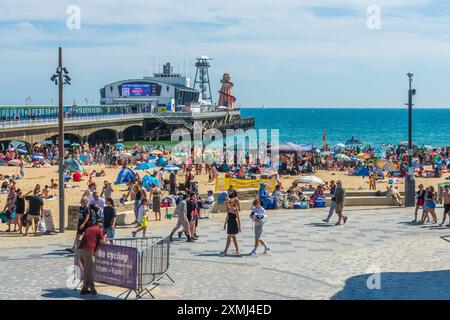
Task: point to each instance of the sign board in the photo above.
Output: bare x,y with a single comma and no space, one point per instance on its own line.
223,184
114,265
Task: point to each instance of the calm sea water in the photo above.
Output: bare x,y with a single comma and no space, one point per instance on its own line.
373,126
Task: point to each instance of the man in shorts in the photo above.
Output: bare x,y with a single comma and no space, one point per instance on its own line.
35,211
183,221
340,200
445,199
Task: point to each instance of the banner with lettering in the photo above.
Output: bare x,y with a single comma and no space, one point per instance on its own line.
115,266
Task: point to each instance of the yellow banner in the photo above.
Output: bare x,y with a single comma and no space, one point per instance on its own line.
223,184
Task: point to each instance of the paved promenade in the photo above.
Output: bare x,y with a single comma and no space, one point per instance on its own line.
309,260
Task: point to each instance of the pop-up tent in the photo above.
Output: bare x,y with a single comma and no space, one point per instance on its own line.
161,162
145,166
125,175
147,182
72,165
362,171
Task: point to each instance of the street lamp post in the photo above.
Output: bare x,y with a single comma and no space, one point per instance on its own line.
410,183
61,78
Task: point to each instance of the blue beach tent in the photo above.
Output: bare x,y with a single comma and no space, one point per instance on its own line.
362,171
161,162
72,165
125,175
147,182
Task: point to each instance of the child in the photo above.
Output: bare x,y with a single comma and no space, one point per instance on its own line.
142,218
259,217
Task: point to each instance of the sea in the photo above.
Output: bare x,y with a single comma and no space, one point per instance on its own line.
374,126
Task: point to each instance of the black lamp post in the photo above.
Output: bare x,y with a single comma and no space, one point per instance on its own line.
60,78
410,183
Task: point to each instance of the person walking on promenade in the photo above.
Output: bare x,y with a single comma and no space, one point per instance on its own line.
181,211
445,199
192,214
142,218
340,200
332,202
420,196
93,236
431,205
259,217
232,225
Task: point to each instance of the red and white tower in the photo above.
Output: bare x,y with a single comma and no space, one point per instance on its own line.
226,97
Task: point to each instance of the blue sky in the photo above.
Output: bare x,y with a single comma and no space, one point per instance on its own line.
291,53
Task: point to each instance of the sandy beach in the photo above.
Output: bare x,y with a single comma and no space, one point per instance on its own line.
42,176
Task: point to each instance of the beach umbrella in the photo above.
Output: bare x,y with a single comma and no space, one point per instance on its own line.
428,147
171,168
311,179
326,153
22,151
178,154
342,157
10,150
145,166
37,157
290,148
120,145
340,145
75,145
306,148
15,162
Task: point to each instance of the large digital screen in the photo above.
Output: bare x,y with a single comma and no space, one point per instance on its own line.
136,90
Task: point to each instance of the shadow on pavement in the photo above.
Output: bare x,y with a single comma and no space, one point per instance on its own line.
428,285
64,293
320,225
59,253
230,255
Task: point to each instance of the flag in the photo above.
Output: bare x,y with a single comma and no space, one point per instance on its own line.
324,138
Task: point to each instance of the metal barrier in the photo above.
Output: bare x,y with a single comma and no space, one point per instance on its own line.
153,262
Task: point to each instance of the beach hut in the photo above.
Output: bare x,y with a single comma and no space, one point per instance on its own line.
72,165
125,175
145,166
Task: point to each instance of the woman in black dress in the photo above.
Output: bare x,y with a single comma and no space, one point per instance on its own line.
232,224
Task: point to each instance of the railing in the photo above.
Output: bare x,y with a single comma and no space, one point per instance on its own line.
173,117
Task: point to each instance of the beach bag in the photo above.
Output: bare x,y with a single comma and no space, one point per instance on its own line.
304,205
41,227
3,217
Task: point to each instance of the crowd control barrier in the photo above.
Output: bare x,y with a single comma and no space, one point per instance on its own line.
137,264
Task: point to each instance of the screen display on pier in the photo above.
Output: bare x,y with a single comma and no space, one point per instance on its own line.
136,90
